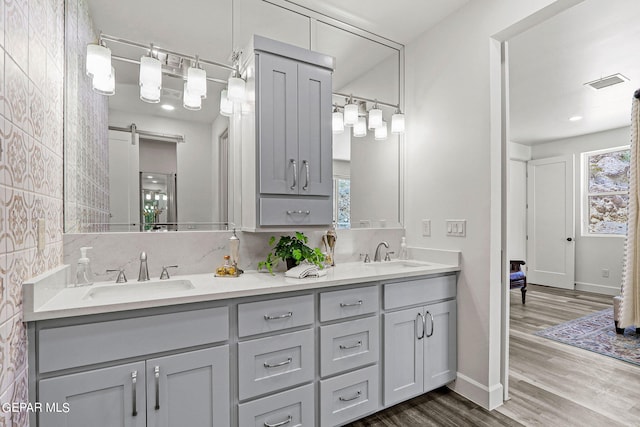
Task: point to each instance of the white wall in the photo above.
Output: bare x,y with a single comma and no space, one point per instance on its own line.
219,125
449,143
194,160
592,253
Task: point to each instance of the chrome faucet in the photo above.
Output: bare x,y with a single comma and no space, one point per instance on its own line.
144,270
376,257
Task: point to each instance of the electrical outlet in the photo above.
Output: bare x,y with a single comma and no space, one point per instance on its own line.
41,231
605,272
426,227
457,227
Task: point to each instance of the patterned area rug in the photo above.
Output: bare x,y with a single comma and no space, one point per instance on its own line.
596,332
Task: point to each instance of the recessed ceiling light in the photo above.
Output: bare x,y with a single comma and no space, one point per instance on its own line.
168,107
149,177
575,118
155,182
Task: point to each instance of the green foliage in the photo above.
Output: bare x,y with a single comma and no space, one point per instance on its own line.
294,247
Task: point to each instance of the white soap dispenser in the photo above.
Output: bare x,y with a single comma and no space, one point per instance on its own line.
84,275
404,253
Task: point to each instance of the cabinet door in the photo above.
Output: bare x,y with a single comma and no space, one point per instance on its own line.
189,389
109,397
277,125
314,130
403,355
440,359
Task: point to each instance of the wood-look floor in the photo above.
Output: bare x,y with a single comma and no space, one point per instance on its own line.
551,384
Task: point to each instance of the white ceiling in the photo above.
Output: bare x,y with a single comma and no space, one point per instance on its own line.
549,64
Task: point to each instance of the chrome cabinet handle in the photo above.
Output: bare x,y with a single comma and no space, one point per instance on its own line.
282,316
422,322
275,365
352,304
432,324
156,371
306,167
295,173
354,397
134,380
298,212
348,347
281,423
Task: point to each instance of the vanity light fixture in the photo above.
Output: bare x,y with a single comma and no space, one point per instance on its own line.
351,112
191,101
150,78
197,80
235,88
375,117
360,128
104,84
147,196
397,122
226,105
381,132
337,121
98,60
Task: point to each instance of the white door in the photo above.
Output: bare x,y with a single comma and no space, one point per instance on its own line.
124,181
550,228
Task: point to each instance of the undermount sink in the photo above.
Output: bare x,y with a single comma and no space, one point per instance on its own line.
397,263
122,291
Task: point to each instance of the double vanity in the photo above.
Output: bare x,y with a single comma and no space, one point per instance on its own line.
258,350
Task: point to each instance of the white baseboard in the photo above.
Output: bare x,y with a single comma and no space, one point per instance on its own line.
487,397
598,289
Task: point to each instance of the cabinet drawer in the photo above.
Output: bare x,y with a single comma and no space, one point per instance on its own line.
350,302
296,211
348,396
80,345
274,315
291,408
273,363
348,345
419,291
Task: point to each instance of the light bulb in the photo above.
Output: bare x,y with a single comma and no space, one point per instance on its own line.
360,128
191,101
350,114
337,122
197,81
381,132
235,89
104,84
375,118
397,122
226,105
98,60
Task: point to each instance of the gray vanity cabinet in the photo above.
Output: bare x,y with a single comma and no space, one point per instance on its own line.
420,351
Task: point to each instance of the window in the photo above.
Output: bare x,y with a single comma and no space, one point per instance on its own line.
606,190
342,202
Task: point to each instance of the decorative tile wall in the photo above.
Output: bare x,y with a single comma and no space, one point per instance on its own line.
87,150
31,123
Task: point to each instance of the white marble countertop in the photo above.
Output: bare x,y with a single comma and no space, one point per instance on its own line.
47,297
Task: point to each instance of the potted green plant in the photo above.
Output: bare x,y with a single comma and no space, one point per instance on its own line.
292,249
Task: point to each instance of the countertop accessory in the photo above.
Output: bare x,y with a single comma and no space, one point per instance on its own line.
304,270
294,250
329,241
165,273
234,249
121,277
84,275
143,275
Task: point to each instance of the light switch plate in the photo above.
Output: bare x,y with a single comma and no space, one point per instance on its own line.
457,227
426,227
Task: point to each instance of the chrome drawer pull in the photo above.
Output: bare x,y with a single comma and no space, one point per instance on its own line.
298,212
134,380
351,304
281,423
275,365
347,347
354,397
282,316
306,167
423,326
295,173
156,371
432,324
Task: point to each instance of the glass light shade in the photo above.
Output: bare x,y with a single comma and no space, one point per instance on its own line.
197,81
150,72
105,84
235,89
397,123
98,60
381,132
360,128
351,114
337,122
147,196
157,197
226,105
191,101
150,94
375,118
164,197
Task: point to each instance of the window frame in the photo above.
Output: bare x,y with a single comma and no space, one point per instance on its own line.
585,194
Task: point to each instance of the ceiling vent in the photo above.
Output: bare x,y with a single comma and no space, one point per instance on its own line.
603,82
171,93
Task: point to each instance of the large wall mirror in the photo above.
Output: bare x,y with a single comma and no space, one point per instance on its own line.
137,166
